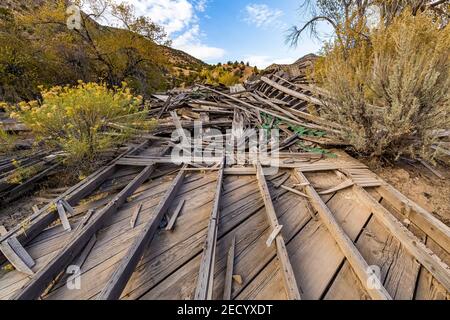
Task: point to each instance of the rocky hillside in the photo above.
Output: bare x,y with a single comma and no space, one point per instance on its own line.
178,65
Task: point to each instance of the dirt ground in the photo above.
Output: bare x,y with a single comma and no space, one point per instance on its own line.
420,185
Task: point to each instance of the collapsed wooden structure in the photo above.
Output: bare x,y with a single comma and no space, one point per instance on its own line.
144,227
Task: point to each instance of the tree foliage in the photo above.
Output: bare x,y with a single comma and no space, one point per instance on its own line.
112,44
352,20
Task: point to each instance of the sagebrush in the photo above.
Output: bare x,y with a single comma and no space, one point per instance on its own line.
390,92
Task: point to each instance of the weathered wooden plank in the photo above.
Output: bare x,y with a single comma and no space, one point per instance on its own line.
288,274
119,279
16,254
291,92
432,226
344,185
229,271
175,215
417,248
63,216
135,215
43,277
45,216
347,246
205,281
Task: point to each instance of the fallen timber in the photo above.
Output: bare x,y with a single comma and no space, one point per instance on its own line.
135,259
311,227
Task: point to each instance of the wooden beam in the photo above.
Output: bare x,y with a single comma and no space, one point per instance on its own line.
354,257
123,272
344,185
38,221
23,187
286,268
205,281
175,215
254,107
429,224
426,257
291,92
75,244
295,191
16,254
229,272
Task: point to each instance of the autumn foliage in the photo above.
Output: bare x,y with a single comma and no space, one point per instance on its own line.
83,120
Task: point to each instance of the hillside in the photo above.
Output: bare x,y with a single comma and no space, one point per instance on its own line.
22,70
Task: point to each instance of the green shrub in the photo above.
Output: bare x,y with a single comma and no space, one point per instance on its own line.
391,92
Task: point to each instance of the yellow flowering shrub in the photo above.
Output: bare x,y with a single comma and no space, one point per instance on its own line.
78,119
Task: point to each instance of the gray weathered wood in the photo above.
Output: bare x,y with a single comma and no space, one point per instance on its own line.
426,257
16,254
354,257
205,281
175,215
229,271
122,274
135,215
432,226
290,282
76,243
38,221
63,216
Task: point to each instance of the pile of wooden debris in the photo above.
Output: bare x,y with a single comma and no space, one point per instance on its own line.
321,226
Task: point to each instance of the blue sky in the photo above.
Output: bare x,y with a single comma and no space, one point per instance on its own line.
223,30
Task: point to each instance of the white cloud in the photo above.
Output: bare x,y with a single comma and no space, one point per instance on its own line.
262,61
174,15
261,15
180,20
190,41
201,5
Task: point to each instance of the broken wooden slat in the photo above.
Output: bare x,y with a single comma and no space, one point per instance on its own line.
40,220
16,254
14,258
296,192
175,215
354,257
344,185
412,244
76,243
63,216
123,272
229,271
433,170
282,181
290,282
67,206
273,235
135,215
205,281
